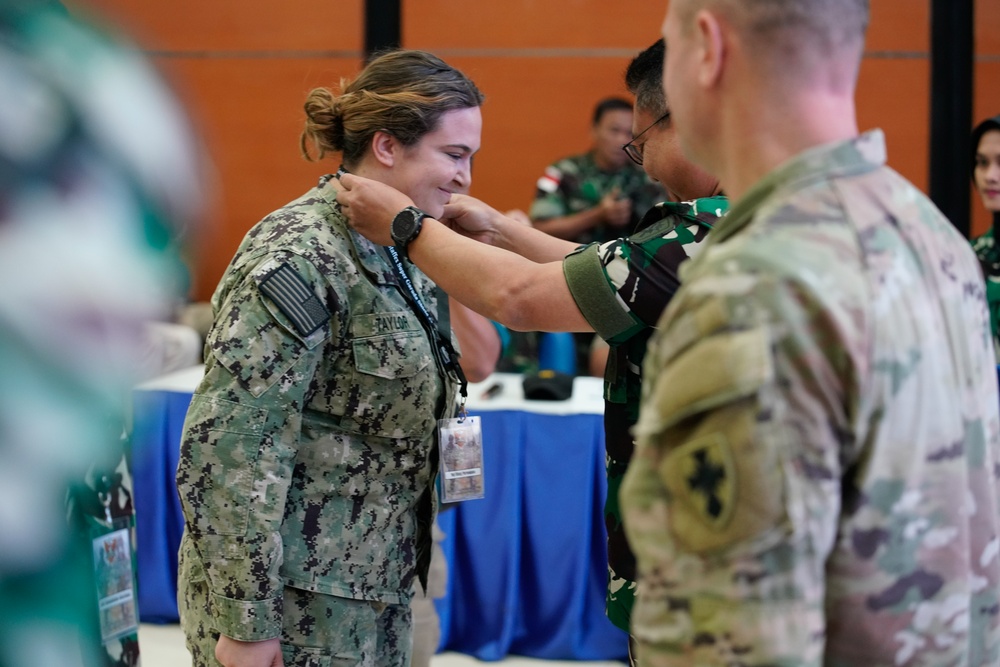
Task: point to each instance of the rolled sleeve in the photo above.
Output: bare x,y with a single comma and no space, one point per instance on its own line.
595,295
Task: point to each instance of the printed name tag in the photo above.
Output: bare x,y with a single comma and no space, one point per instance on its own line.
461,459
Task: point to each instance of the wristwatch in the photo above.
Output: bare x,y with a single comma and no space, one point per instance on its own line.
406,226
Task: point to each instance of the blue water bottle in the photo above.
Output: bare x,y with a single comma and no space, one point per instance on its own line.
557,352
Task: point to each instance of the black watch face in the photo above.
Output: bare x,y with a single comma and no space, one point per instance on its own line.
405,226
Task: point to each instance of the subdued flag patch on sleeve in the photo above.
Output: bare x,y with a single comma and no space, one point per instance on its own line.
286,288
550,180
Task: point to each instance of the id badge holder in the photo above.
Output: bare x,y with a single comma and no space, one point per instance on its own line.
461,443
114,574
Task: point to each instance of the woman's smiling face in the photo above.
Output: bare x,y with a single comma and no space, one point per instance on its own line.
441,162
987,170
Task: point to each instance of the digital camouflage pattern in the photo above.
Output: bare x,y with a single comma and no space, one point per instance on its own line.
814,480
989,260
575,184
308,457
622,287
309,638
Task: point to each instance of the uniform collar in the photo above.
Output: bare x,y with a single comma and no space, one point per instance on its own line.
854,156
703,211
370,255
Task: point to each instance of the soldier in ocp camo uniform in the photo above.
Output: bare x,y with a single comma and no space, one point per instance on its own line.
309,455
815,480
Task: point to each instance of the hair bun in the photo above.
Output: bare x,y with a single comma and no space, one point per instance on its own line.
324,126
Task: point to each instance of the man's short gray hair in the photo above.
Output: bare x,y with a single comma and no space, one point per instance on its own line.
786,27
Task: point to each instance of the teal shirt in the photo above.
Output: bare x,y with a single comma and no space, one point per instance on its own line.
989,260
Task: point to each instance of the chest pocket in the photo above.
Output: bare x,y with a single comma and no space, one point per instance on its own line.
396,383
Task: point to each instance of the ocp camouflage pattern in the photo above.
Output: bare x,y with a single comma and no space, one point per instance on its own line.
815,479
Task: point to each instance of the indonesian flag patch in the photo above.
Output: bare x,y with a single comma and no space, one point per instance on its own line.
550,180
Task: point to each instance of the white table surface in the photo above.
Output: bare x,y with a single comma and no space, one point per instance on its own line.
587,398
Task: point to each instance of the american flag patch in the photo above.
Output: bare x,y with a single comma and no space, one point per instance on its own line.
286,288
549,182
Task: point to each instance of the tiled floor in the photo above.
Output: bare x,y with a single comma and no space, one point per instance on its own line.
163,646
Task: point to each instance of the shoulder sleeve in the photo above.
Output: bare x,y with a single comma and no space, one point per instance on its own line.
622,286
550,195
282,307
595,294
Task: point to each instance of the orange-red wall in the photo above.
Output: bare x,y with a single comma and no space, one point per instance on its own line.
243,69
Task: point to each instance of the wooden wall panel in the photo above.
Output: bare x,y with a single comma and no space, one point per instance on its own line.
249,113
538,24
901,26
893,94
236,25
536,111
243,69
542,66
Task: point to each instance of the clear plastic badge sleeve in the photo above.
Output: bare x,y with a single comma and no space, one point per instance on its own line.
461,476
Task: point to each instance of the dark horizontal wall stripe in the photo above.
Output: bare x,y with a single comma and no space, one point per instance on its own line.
540,53
922,55
254,55
898,55
492,53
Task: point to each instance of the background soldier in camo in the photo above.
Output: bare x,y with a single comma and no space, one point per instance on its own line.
309,456
598,195
815,479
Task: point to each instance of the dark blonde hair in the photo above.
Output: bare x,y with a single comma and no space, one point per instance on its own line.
402,92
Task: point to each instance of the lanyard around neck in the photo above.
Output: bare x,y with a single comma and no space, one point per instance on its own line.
444,353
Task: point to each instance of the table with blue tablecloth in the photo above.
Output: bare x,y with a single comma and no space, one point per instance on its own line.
528,564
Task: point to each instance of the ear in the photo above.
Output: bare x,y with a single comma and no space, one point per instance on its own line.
710,35
385,148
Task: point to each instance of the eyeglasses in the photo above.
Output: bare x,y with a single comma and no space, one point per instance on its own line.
634,150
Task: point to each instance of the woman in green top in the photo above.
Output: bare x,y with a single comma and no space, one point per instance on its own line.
986,176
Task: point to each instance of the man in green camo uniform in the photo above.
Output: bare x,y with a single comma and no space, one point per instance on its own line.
597,196
815,474
577,184
622,288
601,190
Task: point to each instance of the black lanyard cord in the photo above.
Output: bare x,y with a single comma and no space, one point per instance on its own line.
444,352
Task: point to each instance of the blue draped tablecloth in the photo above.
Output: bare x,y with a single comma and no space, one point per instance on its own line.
527,564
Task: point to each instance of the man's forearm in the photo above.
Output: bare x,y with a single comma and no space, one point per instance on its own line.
571,226
532,243
496,282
